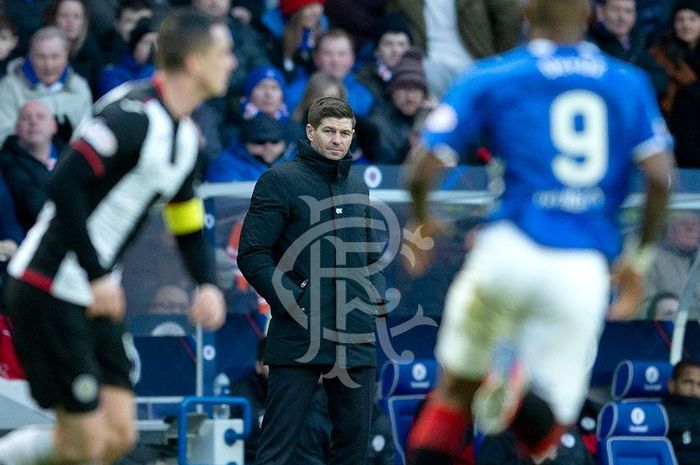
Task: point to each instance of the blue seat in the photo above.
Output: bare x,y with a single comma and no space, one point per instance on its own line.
403,388
633,433
641,379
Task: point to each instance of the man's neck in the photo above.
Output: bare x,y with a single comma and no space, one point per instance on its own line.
179,93
41,152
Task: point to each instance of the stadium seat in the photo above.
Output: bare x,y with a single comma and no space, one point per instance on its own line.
403,388
633,433
641,379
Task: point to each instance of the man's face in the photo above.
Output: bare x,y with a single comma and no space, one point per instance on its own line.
49,58
619,16
332,137
214,65
408,99
216,8
35,124
267,95
687,384
391,47
335,56
128,20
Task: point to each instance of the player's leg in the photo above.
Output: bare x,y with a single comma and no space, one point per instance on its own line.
558,346
117,405
478,313
56,348
116,355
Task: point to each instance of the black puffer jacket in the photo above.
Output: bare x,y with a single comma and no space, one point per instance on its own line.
295,249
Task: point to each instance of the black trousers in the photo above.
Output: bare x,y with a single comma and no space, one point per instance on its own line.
289,395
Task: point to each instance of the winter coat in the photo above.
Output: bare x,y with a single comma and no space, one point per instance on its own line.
69,104
291,253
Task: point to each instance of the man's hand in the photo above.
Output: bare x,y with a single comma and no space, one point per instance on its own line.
107,299
208,307
630,291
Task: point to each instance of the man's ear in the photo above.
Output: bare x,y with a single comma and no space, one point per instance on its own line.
671,385
309,132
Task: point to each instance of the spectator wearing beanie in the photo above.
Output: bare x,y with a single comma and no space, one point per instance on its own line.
136,62
395,122
391,40
293,29
260,145
678,55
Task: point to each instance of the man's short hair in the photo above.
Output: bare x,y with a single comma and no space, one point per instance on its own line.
48,33
133,5
334,33
329,107
683,365
182,32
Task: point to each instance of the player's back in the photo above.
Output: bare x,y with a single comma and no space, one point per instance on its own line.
568,123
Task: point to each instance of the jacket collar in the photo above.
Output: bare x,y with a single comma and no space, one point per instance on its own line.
334,169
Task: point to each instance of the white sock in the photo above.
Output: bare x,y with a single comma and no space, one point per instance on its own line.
28,445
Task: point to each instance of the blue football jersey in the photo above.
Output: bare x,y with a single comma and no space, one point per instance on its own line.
568,123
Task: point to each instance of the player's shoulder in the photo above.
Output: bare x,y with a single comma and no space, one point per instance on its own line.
496,68
126,102
623,70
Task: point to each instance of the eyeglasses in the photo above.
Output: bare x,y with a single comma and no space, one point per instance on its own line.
265,141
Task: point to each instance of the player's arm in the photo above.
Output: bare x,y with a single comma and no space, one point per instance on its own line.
630,270
184,217
652,152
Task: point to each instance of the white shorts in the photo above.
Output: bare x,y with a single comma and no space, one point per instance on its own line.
548,303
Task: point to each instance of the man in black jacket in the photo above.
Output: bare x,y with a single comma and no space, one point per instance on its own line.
308,248
683,408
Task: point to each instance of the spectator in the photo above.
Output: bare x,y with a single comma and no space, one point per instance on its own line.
264,92
683,409
27,16
46,76
85,56
361,18
320,84
27,158
278,235
8,43
137,61
334,54
292,32
261,145
392,40
249,47
678,54
453,33
128,14
663,306
676,251
615,33
396,123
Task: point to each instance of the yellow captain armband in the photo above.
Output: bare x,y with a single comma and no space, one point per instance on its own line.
184,217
